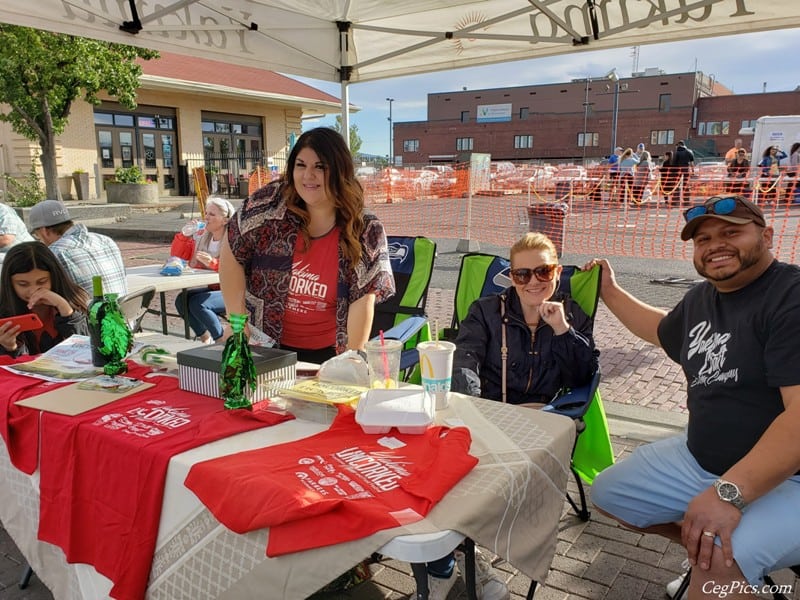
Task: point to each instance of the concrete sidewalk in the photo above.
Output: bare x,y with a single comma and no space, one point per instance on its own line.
644,396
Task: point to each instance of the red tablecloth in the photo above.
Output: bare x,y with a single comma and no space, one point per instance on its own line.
102,472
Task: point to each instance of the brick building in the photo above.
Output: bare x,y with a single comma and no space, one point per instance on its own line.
551,122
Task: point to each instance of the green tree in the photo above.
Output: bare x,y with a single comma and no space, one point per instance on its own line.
355,139
42,74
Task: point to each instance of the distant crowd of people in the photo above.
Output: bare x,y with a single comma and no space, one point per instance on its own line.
631,172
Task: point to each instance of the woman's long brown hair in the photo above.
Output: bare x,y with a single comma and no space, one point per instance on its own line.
342,185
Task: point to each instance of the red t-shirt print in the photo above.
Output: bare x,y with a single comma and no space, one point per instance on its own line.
333,487
309,320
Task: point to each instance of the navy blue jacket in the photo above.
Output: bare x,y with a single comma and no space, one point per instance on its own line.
538,366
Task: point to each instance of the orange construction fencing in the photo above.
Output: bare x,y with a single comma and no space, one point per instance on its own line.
601,216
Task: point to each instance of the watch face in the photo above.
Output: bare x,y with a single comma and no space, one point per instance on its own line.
727,491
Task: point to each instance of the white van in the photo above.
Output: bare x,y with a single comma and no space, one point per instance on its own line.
781,131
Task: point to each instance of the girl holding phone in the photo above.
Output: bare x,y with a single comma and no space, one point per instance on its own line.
32,280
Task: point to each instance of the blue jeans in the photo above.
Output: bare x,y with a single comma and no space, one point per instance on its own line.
205,307
655,484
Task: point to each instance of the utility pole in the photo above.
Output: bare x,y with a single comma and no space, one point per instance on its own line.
391,134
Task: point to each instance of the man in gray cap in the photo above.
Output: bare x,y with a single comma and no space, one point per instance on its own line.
83,254
728,488
12,230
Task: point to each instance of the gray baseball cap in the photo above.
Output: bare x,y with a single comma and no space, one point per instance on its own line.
46,214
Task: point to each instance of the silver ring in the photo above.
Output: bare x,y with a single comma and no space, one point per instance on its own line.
709,534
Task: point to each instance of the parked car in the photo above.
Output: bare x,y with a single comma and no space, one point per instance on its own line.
366,172
444,181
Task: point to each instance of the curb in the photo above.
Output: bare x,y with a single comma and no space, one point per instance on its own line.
641,423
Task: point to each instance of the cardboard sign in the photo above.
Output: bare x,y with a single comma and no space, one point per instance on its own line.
71,400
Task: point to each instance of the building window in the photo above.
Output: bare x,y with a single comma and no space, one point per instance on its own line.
410,145
714,128
464,116
662,136
463,144
523,113
588,139
664,102
750,123
523,141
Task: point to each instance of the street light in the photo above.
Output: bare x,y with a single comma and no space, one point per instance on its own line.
585,117
391,134
612,76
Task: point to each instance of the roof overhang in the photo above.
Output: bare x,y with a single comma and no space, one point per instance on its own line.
154,82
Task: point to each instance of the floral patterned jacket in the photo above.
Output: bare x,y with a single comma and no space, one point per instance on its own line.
262,236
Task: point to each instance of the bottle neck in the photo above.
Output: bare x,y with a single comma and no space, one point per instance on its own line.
97,287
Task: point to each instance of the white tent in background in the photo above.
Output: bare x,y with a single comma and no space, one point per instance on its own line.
362,40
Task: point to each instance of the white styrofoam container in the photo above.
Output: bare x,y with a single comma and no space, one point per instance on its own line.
411,411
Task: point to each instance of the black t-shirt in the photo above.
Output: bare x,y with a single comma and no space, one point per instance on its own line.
736,349
683,157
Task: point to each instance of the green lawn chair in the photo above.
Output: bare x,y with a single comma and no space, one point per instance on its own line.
402,316
484,274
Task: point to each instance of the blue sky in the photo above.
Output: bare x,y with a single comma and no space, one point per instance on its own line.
743,63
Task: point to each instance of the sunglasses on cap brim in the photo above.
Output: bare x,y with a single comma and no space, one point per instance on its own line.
543,273
715,206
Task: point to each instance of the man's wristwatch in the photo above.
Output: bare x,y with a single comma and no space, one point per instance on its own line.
729,492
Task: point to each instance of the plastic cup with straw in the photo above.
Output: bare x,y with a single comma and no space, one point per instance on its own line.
387,378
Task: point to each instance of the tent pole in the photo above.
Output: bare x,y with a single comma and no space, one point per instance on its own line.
345,71
346,112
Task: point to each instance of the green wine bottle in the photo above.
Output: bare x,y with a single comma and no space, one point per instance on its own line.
110,336
96,313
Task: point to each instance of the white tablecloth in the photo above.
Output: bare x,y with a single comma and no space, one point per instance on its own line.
510,503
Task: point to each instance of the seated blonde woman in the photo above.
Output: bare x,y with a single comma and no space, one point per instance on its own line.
550,343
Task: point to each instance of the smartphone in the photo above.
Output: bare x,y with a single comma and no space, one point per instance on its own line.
26,322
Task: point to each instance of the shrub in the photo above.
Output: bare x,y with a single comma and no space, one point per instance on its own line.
129,175
24,192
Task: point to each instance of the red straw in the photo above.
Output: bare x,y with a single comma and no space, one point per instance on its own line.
385,357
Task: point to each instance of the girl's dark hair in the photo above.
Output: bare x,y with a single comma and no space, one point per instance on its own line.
342,185
25,257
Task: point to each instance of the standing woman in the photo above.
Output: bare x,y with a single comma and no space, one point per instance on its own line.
793,173
627,164
304,259
33,280
203,306
770,173
667,177
641,176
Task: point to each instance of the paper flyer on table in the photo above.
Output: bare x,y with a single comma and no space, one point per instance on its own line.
70,360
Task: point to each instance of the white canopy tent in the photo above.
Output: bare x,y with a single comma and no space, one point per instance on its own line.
361,40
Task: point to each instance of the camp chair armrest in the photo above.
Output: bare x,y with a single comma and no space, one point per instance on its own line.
407,329
575,402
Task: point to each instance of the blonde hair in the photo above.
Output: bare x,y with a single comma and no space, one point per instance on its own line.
534,241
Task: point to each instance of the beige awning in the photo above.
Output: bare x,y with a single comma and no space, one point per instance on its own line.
362,40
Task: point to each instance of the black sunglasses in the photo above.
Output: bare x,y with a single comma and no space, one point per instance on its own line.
714,206
543,273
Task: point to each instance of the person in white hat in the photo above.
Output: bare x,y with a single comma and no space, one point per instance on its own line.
82,253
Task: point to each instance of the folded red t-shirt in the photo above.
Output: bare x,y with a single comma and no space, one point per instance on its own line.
103,472
333,487
19,425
